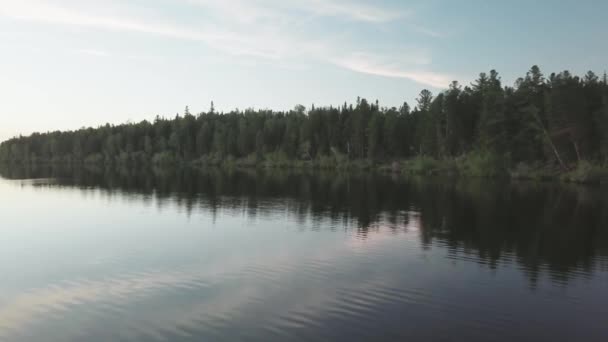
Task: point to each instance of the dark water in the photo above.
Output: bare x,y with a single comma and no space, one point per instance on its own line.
101,255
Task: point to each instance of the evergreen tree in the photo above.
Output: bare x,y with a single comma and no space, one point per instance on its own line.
558,121
492,121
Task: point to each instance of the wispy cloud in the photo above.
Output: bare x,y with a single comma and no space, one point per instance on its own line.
93,52
223,40
44,12
350,10
265,29
429,31
375,65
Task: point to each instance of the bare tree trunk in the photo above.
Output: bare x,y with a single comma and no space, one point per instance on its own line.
578,154
439,141
557,155
550,141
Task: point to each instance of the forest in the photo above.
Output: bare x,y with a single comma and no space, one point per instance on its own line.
540,126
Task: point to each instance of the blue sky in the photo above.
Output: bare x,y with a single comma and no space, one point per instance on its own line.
66,64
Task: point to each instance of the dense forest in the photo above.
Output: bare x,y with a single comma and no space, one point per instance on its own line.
555,122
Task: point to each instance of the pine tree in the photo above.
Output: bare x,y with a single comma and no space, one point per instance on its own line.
492,121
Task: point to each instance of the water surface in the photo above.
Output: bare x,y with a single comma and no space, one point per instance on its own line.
184,255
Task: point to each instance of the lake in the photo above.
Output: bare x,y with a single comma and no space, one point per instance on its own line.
186,255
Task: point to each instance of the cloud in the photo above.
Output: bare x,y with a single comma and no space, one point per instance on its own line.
222,40
43,12
350,10
379,66
93,52
429,32
273,30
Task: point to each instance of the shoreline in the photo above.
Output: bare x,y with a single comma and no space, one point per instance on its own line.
467,166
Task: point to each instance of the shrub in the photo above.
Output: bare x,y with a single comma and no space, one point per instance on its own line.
249,161
276,160
535,171
94,159
422,165
587,172
326,163
163,158
483,164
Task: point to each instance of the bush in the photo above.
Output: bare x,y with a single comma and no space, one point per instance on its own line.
276,160
587,172
326,163
123,158
163,158
208,160
249,161
483,164
423,165
535,171
94,159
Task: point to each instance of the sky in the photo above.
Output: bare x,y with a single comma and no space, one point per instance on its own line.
67,64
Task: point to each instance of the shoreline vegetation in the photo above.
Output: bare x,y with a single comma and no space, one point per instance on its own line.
542,128
474,166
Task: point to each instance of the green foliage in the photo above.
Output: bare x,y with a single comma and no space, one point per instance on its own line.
163,158
587,172
423,165
532,171
209,160
94,159
250,161
492,121
277,160
483,163
326,162
539,125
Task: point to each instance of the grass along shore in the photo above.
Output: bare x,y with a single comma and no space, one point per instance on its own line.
475,164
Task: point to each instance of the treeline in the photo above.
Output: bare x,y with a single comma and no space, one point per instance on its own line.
559,120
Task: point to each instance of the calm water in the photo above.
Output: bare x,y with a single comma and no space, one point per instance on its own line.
100,255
